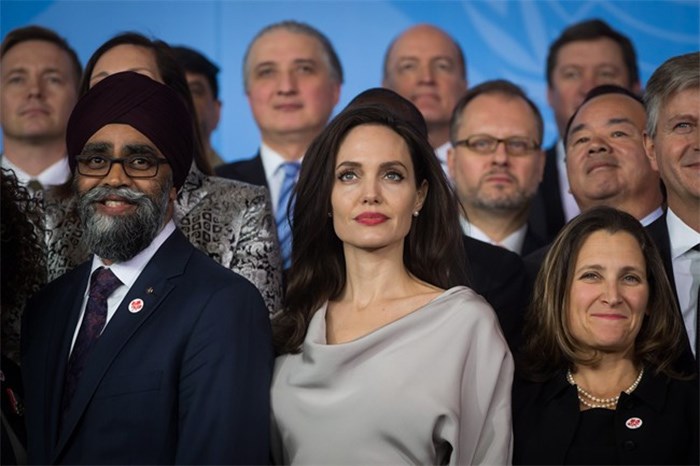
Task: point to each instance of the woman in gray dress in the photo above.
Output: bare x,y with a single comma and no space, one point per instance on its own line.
382,360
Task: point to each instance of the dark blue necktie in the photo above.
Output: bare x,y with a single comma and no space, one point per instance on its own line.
284,229
102,284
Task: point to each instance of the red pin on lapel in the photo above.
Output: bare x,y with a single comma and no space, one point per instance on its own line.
136,305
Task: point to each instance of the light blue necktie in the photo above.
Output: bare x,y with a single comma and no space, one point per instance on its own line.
284,229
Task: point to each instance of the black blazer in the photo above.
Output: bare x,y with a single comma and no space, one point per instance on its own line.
185,380
249,171
658,231
546,415
498,275
547,210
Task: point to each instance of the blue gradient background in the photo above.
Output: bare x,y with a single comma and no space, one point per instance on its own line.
506,39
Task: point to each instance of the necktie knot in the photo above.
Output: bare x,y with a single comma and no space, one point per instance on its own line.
103,283
291,169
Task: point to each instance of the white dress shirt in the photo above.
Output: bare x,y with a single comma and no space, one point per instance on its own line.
513,242
441,154
274,173
127,272
686,270
568,202
54,175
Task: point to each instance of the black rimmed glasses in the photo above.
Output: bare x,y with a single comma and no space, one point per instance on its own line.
485,144
135,166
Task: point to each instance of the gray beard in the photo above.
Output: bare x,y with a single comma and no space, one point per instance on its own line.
120,238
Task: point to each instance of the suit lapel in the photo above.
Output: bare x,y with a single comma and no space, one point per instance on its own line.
256,172
152,286
57,360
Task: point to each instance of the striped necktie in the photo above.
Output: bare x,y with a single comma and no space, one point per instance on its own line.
282,218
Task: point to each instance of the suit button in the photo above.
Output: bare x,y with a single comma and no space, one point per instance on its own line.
629,445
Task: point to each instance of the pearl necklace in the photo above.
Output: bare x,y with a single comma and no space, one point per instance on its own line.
594,402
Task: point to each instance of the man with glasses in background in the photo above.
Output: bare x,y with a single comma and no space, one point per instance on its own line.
496,164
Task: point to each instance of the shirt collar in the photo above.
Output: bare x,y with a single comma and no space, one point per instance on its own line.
513,242
681,235
272,160
55,174
127,272
649,219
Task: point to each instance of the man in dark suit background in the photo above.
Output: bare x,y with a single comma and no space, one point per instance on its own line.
292,78
672,143
149,353
496,164
585,55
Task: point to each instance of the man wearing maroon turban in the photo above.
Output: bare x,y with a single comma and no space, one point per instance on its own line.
150,352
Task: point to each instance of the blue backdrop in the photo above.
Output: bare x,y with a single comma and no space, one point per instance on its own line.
502,39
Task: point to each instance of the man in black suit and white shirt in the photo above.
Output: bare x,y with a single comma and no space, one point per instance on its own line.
150,352
585,55
292,79
496,164
672,143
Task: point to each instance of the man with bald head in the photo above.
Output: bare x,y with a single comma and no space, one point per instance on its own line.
149,352
427,66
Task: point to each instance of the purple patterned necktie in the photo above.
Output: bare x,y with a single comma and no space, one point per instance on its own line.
102,284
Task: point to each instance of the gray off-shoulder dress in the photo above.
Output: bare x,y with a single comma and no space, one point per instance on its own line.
430,388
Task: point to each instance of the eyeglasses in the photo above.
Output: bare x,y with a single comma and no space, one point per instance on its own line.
485,144
135,166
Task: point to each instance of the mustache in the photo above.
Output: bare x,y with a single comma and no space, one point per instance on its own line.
101,193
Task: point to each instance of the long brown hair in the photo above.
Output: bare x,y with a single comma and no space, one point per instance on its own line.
433,249
551,347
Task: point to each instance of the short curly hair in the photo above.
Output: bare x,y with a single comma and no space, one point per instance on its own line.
23,259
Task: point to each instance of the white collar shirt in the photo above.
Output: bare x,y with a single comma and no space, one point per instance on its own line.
441,154
571,208
274,173
513,242
54,175
686,270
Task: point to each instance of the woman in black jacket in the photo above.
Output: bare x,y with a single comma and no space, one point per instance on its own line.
597,383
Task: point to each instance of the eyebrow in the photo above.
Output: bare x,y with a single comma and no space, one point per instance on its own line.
103,147
598,267
385,165
611,122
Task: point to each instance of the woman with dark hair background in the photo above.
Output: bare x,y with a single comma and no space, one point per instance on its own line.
22,272
597,383
383,360
230,221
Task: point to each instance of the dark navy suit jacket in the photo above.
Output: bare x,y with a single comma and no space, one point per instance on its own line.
658,231
185,380
547,210
249,171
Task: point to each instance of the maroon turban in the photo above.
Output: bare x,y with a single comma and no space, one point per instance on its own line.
142,103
